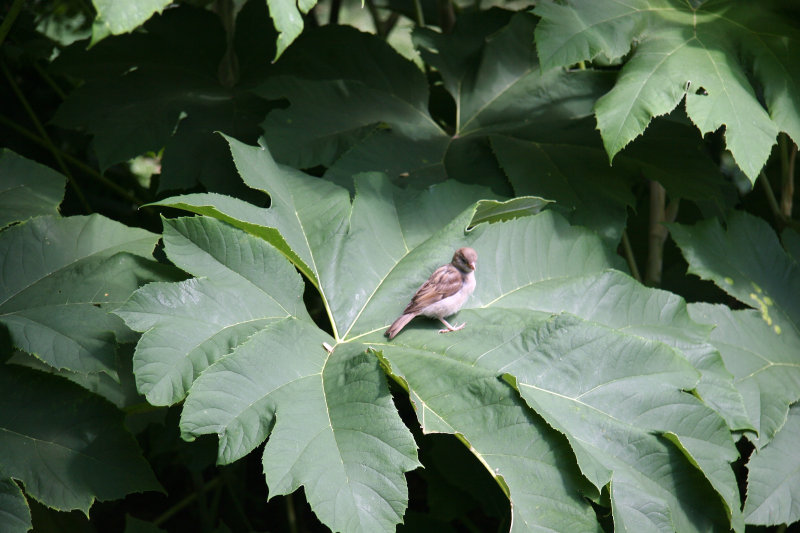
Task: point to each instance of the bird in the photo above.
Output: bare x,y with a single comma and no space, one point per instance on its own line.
443,294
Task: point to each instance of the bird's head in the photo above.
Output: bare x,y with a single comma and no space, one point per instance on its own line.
464,259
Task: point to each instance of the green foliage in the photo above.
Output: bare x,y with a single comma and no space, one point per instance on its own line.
717,56
220,327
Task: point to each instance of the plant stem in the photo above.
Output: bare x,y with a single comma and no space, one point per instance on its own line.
13,12
291,516
447,16
629,257
658,232
237,504
788,158
773,203
418,13
333,15
48,143
74,161
228,70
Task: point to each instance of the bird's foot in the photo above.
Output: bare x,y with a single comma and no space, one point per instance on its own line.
452,328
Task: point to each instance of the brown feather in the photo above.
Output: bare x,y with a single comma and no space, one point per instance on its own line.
399,324
444,282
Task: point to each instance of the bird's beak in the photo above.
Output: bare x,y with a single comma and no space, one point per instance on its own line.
472,265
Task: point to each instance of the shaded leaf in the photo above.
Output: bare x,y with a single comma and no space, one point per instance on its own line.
62,276
67,446
27,189
160,88
746,261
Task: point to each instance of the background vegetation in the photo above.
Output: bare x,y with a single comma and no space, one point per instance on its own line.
212,209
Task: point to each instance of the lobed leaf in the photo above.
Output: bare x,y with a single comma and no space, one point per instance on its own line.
613,418
683,51
245,286
311,393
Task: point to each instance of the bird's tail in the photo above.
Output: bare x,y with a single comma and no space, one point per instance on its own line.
398,324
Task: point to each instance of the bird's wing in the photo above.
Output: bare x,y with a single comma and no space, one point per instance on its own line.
445,281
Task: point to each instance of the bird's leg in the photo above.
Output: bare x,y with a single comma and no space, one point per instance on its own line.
449,327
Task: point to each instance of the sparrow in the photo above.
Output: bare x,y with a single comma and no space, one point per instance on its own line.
443,294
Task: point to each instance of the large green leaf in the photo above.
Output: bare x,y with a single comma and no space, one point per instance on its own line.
67,446
619,417
314,392
62,276
617,301
27,189
679,50
772,479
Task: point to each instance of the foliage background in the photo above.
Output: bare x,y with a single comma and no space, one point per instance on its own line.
212,209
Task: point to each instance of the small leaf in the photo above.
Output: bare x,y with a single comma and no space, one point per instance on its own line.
67,446
495,211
